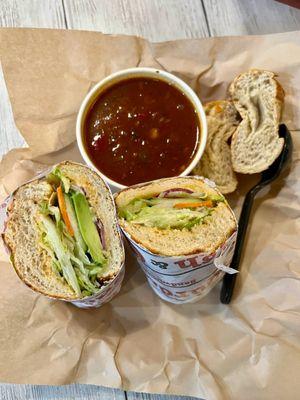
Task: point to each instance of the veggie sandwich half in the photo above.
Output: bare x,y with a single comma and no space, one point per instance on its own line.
62,233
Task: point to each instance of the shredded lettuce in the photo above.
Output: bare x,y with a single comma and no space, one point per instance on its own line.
71,257
62,253
47,209
161,212
56,177
60,247
132,209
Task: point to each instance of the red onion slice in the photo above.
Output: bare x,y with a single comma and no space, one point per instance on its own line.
100,229
175,192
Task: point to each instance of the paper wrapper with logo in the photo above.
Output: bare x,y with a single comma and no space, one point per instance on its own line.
180,278
187,278
109,236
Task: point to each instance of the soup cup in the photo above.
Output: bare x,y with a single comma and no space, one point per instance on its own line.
126,74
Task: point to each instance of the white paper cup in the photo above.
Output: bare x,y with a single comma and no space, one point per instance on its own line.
107,291
111,80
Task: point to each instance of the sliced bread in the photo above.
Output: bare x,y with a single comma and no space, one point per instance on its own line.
255,144
215,164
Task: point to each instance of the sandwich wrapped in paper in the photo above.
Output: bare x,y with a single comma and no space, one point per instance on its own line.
183,233
62,235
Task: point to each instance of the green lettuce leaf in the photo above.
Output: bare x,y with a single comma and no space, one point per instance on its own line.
78,258
61,249
160,211
56,177
62,253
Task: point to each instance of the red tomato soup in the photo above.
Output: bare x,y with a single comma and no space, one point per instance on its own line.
141,129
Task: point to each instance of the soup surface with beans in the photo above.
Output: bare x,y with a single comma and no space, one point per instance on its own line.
141,129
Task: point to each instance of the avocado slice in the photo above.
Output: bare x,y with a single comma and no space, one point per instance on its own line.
166,218
87,227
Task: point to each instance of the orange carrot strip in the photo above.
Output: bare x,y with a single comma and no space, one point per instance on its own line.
63,210
207,203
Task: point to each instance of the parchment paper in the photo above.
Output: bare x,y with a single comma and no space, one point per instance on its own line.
248,350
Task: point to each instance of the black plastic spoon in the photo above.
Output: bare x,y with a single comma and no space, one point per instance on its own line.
267,176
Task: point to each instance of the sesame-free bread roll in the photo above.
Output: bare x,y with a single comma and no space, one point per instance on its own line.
255,144
215,164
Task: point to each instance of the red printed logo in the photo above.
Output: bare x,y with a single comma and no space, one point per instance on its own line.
191,262
209,257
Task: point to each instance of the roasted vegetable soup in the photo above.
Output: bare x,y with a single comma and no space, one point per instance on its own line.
141,129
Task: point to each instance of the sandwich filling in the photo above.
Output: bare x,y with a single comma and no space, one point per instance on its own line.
172,209
73,236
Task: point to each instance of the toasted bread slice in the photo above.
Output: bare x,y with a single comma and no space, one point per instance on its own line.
31,261
255,144
215,164
204,237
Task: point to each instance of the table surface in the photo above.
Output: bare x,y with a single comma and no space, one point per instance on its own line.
156,20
